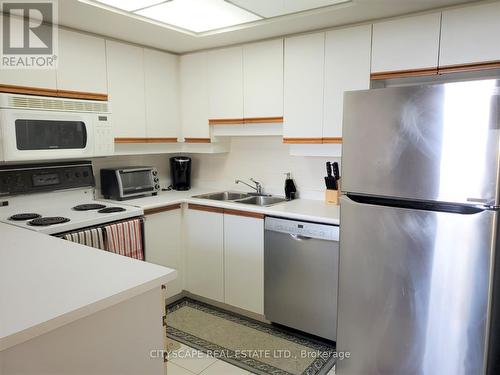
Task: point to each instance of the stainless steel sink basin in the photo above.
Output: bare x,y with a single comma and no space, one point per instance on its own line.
262,201
244,198
223,196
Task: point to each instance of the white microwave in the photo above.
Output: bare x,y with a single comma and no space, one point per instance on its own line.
44,128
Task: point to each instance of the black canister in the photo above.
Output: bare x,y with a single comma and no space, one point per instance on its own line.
180,172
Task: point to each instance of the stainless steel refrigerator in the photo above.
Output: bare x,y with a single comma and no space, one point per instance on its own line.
418,291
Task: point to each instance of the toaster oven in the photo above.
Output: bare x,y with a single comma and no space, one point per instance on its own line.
129,182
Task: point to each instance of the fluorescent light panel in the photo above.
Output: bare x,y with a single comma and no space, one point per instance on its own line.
194,15
276,8
129,5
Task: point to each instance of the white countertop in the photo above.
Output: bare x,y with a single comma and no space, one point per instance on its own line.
299,209
47,282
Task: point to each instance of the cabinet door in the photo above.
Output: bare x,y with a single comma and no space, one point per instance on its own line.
126,88
161,90
225,83
470,35
244,262
204,245
406,44
194,96
304,81
263,79
82,63
163,244
42,78
347,67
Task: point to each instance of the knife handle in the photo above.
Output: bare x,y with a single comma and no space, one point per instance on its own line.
336,172
328,168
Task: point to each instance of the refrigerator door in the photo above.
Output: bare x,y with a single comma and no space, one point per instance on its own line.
433,143
413,290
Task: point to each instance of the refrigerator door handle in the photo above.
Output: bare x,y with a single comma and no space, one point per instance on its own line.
454,208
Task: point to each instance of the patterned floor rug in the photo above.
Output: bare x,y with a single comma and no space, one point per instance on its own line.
249,344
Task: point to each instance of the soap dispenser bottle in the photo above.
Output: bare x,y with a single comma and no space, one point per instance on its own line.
290,189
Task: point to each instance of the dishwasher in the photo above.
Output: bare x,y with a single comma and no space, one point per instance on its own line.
301,261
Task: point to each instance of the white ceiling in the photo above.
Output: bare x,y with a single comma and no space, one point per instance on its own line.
81,16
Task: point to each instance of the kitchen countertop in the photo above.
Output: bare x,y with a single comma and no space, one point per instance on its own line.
47,282
298,209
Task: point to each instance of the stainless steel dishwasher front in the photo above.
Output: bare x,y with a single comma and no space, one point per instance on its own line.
301,261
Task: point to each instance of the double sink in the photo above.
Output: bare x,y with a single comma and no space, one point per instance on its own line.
244,198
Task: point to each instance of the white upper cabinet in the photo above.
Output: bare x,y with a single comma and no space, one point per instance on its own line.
162,93
126,89
470,35
303,86
263,79
347,67
406,44
225,83
43,78
194,95
82,63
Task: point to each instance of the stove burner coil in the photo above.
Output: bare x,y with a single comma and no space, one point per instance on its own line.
46,221
24,216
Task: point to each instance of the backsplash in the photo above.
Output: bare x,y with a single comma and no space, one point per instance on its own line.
266,159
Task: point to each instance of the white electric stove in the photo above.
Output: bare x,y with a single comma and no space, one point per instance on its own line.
55,199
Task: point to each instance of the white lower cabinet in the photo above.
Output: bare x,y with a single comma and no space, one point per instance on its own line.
163,244
244,262
204,228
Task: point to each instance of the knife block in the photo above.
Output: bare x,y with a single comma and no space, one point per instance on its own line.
332,196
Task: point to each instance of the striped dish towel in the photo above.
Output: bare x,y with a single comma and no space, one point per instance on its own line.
89,237
125,238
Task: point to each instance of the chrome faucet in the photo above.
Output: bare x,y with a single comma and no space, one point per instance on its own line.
257,187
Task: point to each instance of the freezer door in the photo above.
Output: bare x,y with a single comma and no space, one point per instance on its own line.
435,143
413,290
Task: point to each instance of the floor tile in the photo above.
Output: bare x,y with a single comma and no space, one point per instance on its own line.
191,359
173,369
223,368
332,371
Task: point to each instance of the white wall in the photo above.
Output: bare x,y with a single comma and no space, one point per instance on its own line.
266,159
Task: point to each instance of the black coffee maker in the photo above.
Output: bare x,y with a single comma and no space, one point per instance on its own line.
180,172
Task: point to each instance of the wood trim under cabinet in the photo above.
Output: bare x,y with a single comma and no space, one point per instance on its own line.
303,140
144,140
197,140
469,67
333,140
161,140
201,207
254,215
263,120
26,90
226,121
151,211
404,73
82,95
245,120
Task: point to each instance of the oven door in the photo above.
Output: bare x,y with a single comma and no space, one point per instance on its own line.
41,135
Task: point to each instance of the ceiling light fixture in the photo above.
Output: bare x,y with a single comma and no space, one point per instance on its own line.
197,16
129,5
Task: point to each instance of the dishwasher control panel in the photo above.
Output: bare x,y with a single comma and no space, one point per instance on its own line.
301,228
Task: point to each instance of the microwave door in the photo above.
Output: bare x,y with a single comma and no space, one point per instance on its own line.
37,135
